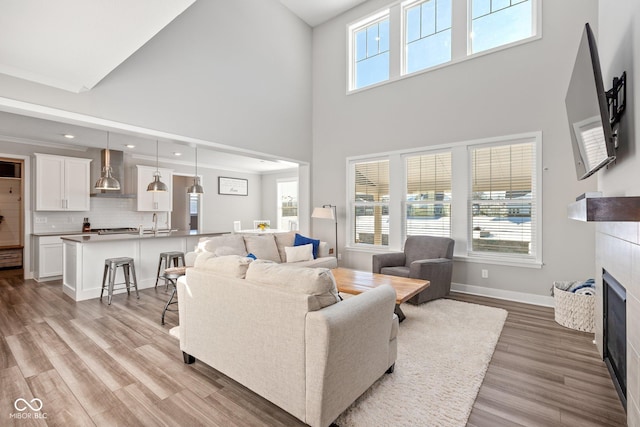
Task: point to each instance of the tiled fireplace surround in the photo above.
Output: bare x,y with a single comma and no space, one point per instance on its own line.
618,251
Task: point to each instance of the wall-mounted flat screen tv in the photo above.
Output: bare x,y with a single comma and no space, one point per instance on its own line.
588,111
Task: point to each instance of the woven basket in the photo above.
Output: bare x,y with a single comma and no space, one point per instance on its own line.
574,311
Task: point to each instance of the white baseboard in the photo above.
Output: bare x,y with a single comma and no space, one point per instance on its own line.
546,301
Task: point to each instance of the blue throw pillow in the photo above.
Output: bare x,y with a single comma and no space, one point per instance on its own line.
301,240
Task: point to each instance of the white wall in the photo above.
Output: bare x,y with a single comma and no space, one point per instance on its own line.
517,90
618,244
236,73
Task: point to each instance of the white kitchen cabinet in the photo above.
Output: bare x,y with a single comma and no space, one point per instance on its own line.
154,201
48,258
62,183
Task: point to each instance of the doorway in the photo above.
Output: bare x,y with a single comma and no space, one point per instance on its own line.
187,208
11,213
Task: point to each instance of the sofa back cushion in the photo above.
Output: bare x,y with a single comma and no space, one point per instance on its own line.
318,283
227,244
284,240
263,247
228,265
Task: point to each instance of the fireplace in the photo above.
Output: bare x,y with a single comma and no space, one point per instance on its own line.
615,332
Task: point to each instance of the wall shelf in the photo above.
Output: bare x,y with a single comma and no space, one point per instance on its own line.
612,209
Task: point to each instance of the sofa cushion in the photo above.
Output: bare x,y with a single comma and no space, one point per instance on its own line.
302,240
316,282
232,244
299,253
263,247
228,265
284,240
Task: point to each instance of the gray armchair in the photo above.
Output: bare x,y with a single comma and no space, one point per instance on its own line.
424,257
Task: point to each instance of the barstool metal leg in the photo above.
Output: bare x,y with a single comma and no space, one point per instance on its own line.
127,280
135,279
112,280
104,280
160,265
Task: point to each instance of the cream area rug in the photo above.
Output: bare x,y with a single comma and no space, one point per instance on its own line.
444,349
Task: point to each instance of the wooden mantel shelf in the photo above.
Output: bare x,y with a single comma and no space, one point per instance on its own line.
605,209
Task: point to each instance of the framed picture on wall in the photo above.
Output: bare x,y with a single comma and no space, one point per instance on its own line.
233,186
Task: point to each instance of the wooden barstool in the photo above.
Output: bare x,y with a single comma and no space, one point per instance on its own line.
110,268
168,257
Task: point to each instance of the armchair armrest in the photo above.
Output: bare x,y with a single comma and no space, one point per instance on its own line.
438,270
393,259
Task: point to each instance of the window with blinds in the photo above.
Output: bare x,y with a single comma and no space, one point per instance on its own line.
503,208
428,195
370,206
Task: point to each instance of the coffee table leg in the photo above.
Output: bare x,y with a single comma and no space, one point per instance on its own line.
399,313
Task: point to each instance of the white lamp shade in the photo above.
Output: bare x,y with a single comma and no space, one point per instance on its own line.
323,213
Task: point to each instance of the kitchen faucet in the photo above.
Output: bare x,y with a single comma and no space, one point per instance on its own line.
155,222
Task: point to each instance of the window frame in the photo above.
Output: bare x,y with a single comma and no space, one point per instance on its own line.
351,60
406,203
461,209
536,30
404,56
352,204
460,40
535,256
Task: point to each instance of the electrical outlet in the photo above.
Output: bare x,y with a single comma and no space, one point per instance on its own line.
340,257
41,220
485,274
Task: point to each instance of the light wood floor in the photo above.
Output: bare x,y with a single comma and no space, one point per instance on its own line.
92,364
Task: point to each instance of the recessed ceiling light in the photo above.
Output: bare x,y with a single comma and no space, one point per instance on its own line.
68,136
130,146
175,153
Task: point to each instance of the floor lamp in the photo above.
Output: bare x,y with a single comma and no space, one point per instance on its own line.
327,212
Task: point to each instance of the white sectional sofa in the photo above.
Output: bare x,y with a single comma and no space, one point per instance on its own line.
277,247
282,332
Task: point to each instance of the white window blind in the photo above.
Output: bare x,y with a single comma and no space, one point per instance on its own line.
370,207
428,197
503,200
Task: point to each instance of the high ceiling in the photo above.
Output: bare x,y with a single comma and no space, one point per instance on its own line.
73,44
315,12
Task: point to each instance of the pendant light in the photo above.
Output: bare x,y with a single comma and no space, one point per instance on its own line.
156,185
106,181
196,188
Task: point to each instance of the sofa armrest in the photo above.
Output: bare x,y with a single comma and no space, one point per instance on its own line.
393,259
349,345
437,270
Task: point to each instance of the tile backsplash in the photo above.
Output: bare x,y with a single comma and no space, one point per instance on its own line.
104,213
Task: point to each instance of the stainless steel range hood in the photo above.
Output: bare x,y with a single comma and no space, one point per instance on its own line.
116,160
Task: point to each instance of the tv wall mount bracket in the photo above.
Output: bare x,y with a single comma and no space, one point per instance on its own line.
616,98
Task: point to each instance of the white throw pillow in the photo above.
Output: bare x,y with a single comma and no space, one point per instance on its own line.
228,265
299,253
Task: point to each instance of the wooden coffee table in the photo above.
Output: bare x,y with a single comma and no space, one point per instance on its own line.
355,282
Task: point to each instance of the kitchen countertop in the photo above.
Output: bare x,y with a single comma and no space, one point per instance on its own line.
60,233
97,238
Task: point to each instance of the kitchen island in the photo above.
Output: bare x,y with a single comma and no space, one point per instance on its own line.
84,256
